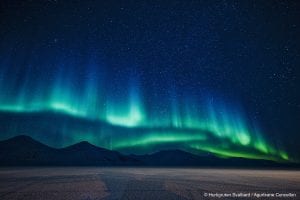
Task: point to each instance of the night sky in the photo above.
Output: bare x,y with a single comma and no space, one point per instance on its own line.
217,77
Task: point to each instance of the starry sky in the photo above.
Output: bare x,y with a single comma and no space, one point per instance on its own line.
217,77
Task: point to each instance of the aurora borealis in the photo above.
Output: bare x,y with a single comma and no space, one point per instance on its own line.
105,74
210,126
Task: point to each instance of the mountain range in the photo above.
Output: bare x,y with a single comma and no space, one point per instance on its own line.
25,151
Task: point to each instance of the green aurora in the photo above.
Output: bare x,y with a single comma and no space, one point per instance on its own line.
208,126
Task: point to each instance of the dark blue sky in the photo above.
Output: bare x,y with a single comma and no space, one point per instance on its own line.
244,52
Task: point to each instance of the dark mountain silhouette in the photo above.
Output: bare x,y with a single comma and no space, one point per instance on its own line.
182,158
84,153
24,151
172,158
